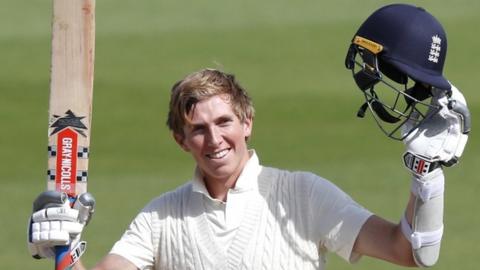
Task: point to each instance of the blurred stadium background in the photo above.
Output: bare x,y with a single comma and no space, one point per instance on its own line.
288,54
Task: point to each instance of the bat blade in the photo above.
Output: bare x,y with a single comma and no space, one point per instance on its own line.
71,90
70,104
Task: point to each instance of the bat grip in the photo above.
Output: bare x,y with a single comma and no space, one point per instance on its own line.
62,257
62,253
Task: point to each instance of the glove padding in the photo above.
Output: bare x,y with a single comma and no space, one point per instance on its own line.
442,136
55,222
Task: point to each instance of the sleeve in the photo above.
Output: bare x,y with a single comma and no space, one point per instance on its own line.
136,243
337,218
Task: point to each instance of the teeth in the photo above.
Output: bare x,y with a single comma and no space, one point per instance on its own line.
220,154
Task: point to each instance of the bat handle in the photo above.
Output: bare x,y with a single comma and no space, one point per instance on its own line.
62,257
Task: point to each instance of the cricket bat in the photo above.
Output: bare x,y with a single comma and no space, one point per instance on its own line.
70,103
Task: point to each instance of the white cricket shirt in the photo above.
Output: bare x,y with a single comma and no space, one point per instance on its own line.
272,219
225,218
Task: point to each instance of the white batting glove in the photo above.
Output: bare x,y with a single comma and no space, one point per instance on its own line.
55,223
441,138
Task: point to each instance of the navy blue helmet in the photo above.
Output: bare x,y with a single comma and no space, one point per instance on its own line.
401,48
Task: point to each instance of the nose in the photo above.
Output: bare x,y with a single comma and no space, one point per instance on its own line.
214,137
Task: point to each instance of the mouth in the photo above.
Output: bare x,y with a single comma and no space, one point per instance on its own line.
219,154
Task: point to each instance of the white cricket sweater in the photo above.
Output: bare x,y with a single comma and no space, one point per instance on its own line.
290,222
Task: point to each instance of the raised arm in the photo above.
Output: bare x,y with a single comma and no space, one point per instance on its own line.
438,141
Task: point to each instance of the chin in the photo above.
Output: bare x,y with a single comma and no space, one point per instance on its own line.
221,174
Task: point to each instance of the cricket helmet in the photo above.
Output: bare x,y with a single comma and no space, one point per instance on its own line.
395,44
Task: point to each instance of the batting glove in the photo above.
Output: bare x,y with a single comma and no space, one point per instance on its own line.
441,138
56,221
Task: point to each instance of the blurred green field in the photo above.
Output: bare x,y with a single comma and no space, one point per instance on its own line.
289,54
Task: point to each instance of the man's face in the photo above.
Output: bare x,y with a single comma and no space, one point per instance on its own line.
216,139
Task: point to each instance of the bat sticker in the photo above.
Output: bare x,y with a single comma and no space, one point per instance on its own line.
66,172
69,120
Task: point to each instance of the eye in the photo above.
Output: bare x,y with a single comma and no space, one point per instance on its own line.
197,129
224,121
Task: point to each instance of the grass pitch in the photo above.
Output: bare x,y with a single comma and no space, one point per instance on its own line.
288,54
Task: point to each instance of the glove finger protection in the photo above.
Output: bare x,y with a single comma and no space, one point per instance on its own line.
443,135
55,221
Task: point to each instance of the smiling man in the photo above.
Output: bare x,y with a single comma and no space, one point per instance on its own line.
208,127
238,214
235,213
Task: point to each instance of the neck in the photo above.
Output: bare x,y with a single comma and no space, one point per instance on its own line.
218,188
219,192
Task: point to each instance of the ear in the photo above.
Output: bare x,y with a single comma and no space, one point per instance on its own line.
180,139
247,127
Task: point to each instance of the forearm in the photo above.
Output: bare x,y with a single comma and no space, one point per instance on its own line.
385,240
423,220
403,248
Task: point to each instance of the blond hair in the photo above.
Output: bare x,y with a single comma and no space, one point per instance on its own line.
202,85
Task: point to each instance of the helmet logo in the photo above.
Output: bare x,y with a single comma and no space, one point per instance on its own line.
435,48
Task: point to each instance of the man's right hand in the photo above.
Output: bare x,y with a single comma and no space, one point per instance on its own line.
55,222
